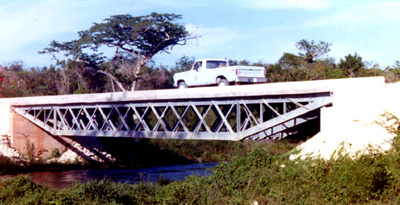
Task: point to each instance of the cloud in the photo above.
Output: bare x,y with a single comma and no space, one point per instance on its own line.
33,21
365,14
210,39
29,26
288,4
212,42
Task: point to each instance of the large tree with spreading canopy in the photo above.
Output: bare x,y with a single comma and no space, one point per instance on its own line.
141,37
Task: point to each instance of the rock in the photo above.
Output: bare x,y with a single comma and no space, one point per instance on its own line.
6,150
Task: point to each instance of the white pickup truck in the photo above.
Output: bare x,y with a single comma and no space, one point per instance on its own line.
218,72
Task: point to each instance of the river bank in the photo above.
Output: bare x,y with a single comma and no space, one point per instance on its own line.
165,174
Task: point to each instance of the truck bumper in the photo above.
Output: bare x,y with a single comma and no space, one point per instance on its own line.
251,80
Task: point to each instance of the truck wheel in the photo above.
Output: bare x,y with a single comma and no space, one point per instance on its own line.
182,85
222,82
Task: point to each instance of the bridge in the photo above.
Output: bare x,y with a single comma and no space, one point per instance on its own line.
256,112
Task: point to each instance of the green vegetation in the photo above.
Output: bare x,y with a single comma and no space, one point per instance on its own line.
74,76
218,151
259,176
135,40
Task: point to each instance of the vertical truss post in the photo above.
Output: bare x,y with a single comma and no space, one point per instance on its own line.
54,119
238,120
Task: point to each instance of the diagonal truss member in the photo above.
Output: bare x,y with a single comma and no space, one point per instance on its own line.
260,117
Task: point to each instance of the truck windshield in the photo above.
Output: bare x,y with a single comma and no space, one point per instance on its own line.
216,64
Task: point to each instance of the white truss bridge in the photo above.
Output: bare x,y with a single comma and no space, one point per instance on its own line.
263,111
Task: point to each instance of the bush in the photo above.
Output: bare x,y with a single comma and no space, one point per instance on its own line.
21,190
358,181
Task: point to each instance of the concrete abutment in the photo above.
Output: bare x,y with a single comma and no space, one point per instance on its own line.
29,139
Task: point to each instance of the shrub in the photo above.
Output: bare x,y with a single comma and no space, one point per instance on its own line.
21,190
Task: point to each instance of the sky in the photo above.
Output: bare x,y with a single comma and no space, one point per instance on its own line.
252,30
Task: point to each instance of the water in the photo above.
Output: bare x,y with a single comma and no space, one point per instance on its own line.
61,179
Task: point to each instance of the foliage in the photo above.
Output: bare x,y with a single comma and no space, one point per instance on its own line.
312,51
352,65
392,73
154,79
203,150
258,176
21,190
55,153
15,81
141,37
93,75
30,150
184,63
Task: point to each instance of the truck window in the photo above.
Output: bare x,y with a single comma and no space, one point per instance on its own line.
216,64
197,66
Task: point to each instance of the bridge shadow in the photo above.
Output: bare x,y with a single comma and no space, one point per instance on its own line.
305,131
127,152
70,146
132,152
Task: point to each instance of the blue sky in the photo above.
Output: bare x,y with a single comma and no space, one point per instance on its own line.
254,30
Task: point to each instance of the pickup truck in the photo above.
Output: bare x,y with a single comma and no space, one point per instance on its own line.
218,72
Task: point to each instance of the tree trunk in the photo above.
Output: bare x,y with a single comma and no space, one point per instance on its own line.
113,79
134,85
140,63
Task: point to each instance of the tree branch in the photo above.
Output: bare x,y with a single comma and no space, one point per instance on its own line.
112,78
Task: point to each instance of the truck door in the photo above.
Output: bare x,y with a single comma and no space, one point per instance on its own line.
210,71
196,72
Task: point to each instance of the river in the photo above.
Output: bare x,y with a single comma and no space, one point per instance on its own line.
61,179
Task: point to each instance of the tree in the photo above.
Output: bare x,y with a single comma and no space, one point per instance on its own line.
184,63
351,65
156,78
290,61
17,81
311,50
142,36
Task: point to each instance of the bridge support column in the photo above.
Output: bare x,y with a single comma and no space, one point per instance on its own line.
29,139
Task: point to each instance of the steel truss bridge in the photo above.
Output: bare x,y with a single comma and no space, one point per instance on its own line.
213,113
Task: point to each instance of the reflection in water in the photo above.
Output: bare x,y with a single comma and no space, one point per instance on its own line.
60,179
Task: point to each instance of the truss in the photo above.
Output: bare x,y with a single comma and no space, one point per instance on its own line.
259,117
